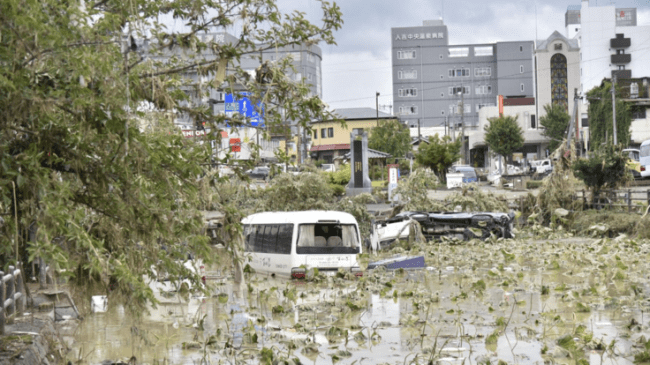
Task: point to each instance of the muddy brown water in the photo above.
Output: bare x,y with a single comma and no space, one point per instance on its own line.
531,295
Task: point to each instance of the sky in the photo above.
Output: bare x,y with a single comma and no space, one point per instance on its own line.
360,64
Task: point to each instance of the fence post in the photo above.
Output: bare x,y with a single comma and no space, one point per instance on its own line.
11,290
42,275
18,276
2,303
648,194
629,200
584,199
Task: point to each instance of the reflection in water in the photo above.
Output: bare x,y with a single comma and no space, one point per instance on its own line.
439,316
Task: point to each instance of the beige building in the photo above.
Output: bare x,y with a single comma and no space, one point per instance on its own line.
330,139
524,110
558,72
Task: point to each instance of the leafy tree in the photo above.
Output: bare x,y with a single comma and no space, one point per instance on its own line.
439,154
390,136
96,197
600,117
555,123
605,167
504,136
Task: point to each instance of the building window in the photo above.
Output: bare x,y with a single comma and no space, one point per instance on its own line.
634,90
330,132
621,67
316,134
483,71
533,122
484,90
521,69
359,131
323,133
521,48
455,90
521,87
483,51
405,55
458,52
310,57
412,74
559,86
442,95
442,112
479,106
557,46
308,77
408,110
407,92
456,108
459,72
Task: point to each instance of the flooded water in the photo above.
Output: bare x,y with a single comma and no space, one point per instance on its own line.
519,302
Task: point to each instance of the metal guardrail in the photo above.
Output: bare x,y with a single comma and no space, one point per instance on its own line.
615,199
12,295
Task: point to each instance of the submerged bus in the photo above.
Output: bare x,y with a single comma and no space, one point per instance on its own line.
288,243
644,159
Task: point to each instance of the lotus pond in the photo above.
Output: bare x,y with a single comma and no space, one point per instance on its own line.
525,301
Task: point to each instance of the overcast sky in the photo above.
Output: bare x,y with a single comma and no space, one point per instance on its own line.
360,64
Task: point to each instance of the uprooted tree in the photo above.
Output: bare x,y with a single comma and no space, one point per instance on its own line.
95,196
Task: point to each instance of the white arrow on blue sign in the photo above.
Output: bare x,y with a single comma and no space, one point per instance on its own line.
245,107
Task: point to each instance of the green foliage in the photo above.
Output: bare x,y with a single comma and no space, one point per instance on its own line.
104,195
439,154
339,179
414,191
605,167
390,136
600,117
555,123
503,135
534,184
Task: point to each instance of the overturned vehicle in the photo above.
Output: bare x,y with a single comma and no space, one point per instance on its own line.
434,225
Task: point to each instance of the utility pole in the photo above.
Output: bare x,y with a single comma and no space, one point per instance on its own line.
614,107
377,106
462,123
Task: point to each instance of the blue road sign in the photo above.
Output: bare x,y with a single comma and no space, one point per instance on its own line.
245,107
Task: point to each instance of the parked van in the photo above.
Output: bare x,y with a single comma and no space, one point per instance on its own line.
633,161
288,243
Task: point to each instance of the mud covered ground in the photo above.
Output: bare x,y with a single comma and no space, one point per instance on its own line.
561,299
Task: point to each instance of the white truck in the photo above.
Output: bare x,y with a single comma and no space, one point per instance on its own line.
542,166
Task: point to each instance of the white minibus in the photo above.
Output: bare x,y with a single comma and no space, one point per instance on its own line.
289,243
644,159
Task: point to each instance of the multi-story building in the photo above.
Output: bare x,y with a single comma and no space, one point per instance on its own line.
305,59
612,46
432,79
611,43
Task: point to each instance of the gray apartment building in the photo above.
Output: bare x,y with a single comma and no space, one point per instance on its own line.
305,59
432,79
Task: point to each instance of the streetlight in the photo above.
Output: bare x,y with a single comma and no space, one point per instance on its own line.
377,106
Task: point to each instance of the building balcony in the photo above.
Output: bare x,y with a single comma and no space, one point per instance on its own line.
619,42
622,74
621,58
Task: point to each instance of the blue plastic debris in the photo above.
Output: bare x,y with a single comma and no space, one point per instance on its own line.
400,262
